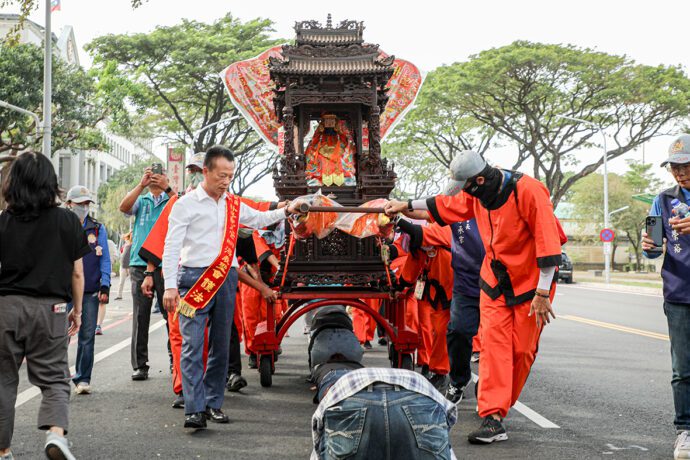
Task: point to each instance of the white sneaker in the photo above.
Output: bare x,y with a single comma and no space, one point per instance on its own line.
82,388
57,447
681,448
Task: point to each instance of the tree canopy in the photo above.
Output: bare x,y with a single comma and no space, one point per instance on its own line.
76,107
520,92
174,75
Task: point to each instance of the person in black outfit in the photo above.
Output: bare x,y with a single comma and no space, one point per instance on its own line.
41,246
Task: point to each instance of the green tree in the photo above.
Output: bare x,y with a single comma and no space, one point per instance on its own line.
522,90
111,193
587,197
175,71
76,106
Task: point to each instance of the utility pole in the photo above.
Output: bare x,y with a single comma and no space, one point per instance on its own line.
48,85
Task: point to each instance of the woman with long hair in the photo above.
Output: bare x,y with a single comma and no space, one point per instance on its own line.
41,246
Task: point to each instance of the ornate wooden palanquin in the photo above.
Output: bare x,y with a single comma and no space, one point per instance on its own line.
331,70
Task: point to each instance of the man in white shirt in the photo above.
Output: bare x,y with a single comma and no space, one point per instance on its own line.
195,240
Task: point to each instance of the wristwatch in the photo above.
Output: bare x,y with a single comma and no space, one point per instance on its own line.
147,274
168,190
539,294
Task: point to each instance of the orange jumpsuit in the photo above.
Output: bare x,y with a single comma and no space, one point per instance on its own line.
363,323
520,235
433,266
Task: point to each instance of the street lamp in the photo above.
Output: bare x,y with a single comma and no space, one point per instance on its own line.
28,113
607,246
48,85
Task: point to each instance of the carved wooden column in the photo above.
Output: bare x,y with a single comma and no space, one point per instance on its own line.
288,160
374,157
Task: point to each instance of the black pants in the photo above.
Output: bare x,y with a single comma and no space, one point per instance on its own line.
142,316
463,326
31,330
234,356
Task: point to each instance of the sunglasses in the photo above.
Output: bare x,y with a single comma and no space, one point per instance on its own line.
676,168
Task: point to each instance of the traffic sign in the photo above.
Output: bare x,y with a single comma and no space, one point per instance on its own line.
607,235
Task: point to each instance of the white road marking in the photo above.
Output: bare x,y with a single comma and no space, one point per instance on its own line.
527,412
32,392
614,291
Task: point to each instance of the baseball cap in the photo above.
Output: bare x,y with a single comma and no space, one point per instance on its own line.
79,194
679,151
466,164
197,160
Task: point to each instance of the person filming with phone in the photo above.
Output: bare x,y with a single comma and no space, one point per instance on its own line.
668,224
146,208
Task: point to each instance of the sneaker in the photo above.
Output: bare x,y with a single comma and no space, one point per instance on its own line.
681,449
252,362
7,456
491,430
454,394
236,382
367,345
439,381
383,341
178,402
57,447
82,388
99,331
475,357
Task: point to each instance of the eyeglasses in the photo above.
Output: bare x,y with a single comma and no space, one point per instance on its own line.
676,168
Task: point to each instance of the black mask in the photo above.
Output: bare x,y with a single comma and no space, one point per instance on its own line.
488,191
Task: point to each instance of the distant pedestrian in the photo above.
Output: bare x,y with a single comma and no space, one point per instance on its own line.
675,274
41,250
124,263
97,270
146,208
114,257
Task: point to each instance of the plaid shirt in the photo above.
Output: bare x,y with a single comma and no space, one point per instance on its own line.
357,380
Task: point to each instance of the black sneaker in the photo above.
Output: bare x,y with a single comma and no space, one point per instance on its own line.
252,361
439,381
454,394
140,374
475,357
367,345
383,341
178,403
491,430
236,382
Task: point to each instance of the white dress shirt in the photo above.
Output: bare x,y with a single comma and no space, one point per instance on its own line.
195,231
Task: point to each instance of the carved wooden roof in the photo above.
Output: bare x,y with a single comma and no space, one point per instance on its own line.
330,50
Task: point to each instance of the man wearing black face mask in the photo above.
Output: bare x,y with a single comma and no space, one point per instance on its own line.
522,239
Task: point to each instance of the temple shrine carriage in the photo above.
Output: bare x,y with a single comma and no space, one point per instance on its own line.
329,93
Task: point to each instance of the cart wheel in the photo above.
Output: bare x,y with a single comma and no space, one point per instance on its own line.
265,371
406,362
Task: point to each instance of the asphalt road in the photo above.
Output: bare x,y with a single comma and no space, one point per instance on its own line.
602,376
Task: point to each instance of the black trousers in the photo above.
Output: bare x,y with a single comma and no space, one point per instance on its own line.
142,315
234,356
463,326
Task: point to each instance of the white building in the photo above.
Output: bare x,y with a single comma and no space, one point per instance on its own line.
89,168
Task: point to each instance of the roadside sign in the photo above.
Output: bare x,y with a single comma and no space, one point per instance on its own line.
607,235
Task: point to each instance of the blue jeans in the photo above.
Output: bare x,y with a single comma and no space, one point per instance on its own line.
86,338
678,317
462,327
206,390
385,422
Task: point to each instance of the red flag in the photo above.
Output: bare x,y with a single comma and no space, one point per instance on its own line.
54,5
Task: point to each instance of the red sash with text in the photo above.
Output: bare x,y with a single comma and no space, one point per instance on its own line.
214,276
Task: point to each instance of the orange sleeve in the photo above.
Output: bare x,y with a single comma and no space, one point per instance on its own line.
445,210
152,249
436,235
410,271
262,249
534,205
259,205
